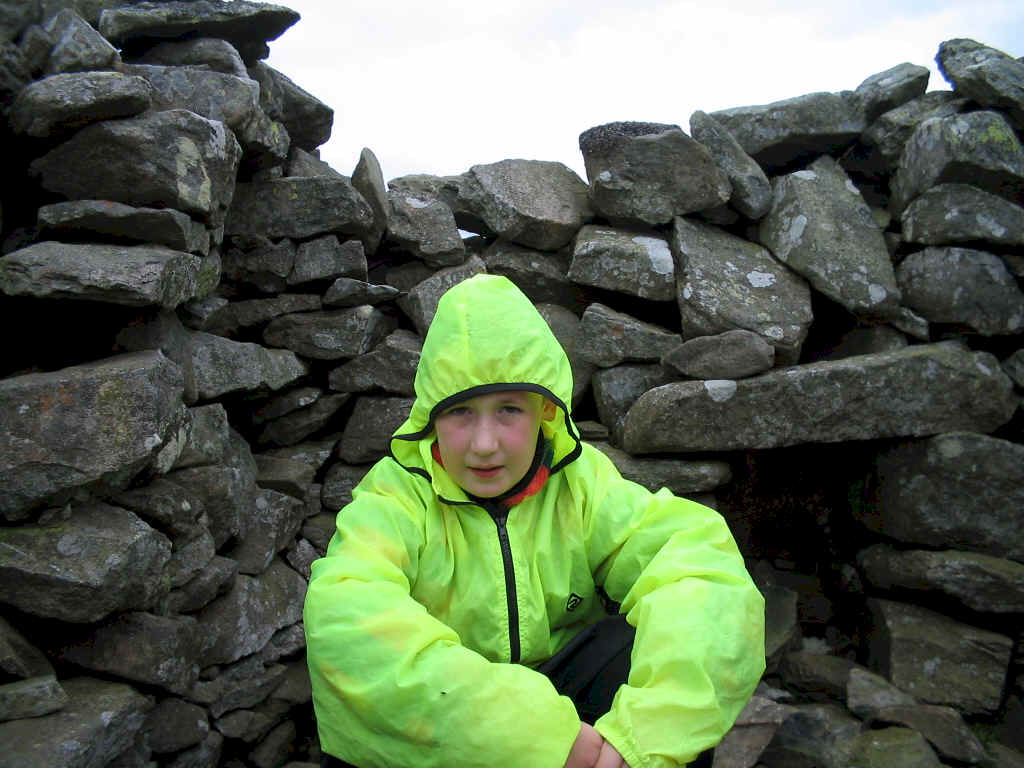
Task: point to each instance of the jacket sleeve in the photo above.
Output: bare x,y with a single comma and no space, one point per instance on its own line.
699,648
393,686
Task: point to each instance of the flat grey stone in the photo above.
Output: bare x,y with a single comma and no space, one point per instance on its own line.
425,228
325,258
391,366
307,119
751,191
891,89
175,724
348,292
680,476
730,355
985,75
607,338
219,55
725,283
234,316
373,421
163,226
77,47
637,263
943,727
298,207
297,426
330,335
615,389
647,173
923,389
229,99
368,178
20,659
543,277
893,747
32,697
65,429
68,101
277,518
420,304
959,213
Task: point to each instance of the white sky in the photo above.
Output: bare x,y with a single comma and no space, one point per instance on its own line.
436,86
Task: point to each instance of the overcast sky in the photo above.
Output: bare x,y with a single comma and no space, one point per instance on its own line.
436,86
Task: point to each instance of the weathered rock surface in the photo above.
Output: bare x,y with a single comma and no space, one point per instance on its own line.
985,75
174,158
784,133
332,334
229,99
820,226
368,179
76,45
31,697
751,191
943,728
391,366
420,303
101,421
426,229
543,277
892,747
637,263
978,148
959,490
99,723
69,101
679,476
100,560
299,207
307,119
891,89
373,421
862,398
608,338
215,53
136,275
300,424
939,660
615,389
725,283
730,355
535,203
962,286
86,218
647,173
277,518
960,213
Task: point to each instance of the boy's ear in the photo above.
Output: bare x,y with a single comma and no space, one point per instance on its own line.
548,410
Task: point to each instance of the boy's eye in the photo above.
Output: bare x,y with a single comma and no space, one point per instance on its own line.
512,409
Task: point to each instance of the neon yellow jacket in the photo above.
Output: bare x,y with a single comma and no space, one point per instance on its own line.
425,600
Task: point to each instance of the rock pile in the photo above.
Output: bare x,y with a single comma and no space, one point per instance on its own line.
807,314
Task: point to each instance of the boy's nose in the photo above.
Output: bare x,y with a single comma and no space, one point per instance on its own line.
484,441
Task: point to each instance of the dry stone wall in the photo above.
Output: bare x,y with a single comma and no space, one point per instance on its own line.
807,314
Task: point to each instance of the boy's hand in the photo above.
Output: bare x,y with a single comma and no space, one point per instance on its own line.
590,750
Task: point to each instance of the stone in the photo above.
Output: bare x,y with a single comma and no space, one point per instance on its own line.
162,226
244,725
101,720
923,389
980,582
390,366
985,75
190,554
100,422
242,621
15,17
307,119
426,229
959,489
868,694
679,476
227,490
297,426
1013,366
330,335
303,163
536,203
892,748
420,303
867,340
208,437
978,148
319,528
246,25
964,287
943,727
565,325
31,697
314,454
543,277
725,283
229,99
246,683
276,519
891,89
820,676
820,226
76,45
814,736
276,747
219,55
793,131
64,102
285,403
615,389
174,159
206,754
213,365
731,355
959,213
290,476
647,173
636,263
751,191
453,191
168,507
346,292
215,579
939,660
301,555
298,207
134,276
368,179
235,316
373,421
259,262
336,493
175,724
324,258
607,338
753,730
782,627
19,659
164,651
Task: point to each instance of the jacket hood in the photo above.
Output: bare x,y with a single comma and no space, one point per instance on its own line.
486,336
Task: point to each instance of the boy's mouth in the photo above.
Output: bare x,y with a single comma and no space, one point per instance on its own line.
485,471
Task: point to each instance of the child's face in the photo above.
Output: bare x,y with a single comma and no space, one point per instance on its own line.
487,443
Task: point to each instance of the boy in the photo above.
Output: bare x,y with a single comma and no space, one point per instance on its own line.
464,588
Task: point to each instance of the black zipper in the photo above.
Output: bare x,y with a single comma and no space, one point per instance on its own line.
500,519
